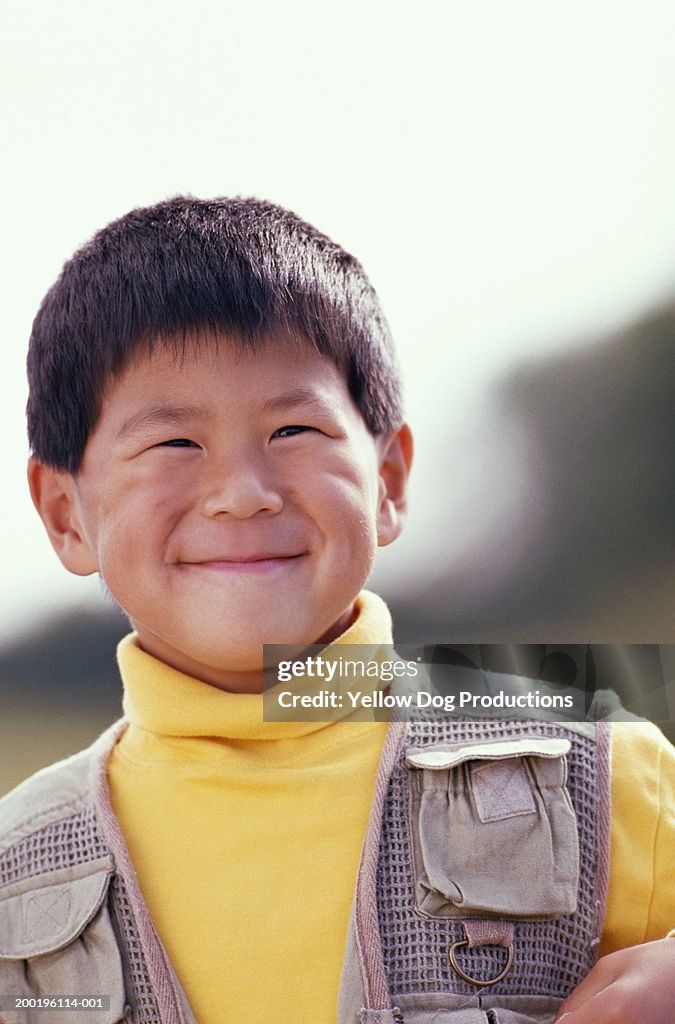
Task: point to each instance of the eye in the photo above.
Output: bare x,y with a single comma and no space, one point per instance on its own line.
178,442
291,431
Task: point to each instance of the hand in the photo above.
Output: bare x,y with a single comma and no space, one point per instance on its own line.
632,986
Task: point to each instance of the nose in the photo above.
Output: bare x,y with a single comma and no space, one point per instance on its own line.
241,487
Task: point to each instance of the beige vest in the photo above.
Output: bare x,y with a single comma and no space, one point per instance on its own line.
483,876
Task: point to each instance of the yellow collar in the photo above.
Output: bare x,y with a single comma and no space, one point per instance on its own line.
166,702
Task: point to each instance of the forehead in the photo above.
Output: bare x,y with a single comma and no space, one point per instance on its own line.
219,371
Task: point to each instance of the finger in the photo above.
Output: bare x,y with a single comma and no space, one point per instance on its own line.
589,989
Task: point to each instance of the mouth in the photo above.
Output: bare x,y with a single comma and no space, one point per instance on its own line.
250,563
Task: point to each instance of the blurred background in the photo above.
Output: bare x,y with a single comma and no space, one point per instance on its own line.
504,172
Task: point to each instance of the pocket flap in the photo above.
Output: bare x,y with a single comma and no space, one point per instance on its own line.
42,914
448,756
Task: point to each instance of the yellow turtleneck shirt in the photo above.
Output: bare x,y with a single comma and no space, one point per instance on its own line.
245,835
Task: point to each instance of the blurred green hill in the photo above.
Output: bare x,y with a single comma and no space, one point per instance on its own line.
59,688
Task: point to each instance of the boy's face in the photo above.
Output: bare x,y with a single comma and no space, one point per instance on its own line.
229,499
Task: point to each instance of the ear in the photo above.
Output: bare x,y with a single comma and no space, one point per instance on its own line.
54,495
396,452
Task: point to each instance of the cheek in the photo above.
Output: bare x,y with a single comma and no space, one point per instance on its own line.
347,510
133,529
349,479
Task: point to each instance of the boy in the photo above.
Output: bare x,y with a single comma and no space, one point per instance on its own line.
216,429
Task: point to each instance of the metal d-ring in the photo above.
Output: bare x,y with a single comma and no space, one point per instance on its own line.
474,981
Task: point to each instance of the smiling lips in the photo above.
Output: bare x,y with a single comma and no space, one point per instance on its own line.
259,562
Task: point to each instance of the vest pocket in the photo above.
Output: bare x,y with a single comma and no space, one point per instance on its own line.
57,942
493,829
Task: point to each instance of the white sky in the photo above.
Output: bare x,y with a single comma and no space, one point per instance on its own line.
504,171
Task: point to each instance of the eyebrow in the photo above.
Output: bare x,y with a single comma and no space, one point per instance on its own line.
294,397
176,415
159,416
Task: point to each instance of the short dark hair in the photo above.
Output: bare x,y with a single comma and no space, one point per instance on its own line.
243,267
